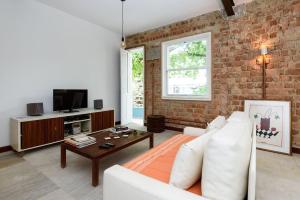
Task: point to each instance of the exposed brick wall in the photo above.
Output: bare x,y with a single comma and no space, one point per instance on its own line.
235,75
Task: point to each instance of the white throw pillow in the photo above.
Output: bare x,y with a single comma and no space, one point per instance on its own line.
226,162
217,123
187,167
238,116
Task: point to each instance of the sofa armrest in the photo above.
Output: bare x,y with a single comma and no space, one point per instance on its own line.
121,183
252,168
194,131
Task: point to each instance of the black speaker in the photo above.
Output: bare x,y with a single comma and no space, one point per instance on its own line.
35,109
98,104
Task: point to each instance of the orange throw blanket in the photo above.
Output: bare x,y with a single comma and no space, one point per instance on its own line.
157,162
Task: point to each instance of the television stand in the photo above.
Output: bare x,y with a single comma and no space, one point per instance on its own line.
71,111
31,132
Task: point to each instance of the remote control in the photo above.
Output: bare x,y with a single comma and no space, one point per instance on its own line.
104,146
110,144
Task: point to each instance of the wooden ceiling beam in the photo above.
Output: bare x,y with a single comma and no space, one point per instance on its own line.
228,5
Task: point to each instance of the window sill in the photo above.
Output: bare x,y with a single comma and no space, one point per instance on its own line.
180,98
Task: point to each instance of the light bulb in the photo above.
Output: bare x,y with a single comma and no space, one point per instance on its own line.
123,44
264,50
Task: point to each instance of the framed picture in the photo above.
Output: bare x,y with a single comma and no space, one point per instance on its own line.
272,121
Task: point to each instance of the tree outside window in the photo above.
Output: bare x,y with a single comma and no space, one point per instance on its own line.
187,68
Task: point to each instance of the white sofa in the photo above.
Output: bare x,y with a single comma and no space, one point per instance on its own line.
121,183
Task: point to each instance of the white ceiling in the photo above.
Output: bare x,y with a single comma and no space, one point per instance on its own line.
140,15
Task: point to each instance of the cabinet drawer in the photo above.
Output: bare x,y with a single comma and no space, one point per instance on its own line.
54,130
97,123
40,132
102,120
108,119
33,134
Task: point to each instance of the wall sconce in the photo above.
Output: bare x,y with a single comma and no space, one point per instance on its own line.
263,60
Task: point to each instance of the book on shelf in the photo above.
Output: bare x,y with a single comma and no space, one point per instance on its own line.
80,141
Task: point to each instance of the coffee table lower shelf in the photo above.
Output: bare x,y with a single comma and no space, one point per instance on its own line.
94,153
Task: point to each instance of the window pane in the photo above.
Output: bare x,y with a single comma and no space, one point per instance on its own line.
187,55
188,82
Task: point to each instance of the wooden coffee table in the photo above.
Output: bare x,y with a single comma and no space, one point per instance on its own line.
94,153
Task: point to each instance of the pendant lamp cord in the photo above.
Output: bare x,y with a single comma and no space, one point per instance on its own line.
122,20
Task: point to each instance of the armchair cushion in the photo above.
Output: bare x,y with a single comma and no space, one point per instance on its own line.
238,116
217,123
187,167
194,131
226,162
157,163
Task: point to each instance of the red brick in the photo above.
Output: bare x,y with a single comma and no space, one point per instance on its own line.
236,76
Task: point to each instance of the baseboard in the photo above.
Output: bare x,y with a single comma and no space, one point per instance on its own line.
170,128
5,149
174,128
296,150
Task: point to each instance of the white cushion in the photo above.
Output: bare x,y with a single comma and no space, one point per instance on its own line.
187,166
194,131
226,162
217,123
238,116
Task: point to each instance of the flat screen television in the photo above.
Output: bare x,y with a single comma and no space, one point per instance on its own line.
68,100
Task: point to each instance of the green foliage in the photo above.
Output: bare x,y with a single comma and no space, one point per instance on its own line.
137,64
188,55
184,74
200,90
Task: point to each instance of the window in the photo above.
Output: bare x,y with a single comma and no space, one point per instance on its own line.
186,68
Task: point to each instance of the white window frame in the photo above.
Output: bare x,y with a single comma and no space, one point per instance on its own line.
164,47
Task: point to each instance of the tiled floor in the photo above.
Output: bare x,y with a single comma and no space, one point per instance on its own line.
278,176
38,174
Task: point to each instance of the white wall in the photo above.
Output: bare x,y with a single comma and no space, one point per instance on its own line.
42,48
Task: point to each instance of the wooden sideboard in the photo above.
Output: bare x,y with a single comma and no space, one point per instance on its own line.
32,132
